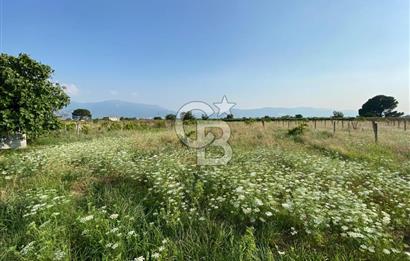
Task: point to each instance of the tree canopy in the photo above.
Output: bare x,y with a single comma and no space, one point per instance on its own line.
186,116
29,99
229,116
204,117
81,114
299,116
170,117
380,106
338,114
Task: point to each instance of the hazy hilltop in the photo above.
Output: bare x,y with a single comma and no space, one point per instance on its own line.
118,108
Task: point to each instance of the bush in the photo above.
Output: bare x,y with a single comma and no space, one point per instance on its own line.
70,126
170,117
113,126
299,130
131,125
85,129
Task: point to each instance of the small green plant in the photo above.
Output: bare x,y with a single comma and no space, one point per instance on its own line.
299,130
248,245
85,129
114,126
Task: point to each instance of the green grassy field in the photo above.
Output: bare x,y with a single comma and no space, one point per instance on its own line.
122,193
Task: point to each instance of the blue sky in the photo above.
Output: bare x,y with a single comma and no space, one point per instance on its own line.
332,54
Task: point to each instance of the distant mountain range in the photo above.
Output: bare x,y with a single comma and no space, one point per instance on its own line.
120,108
117,108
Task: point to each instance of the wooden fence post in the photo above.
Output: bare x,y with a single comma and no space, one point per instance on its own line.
405,124
334,127
375,129
314,123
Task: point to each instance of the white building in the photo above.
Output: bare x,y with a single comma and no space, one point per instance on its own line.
113,119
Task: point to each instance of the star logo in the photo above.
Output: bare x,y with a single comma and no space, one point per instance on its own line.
224,107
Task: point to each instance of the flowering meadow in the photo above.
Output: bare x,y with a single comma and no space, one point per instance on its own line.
139,195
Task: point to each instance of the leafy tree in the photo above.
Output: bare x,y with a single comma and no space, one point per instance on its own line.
170,117
299,116
380,106
204,117
394,114
157,118
229,116
28,99
338,114
81,114
186,116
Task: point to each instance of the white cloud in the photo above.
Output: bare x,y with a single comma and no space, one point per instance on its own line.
70,89
135,94
113,92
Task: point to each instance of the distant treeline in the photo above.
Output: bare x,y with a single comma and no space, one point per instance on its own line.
267,119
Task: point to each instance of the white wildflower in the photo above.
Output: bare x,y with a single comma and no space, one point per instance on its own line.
59,255
114,216
87,218
258,202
